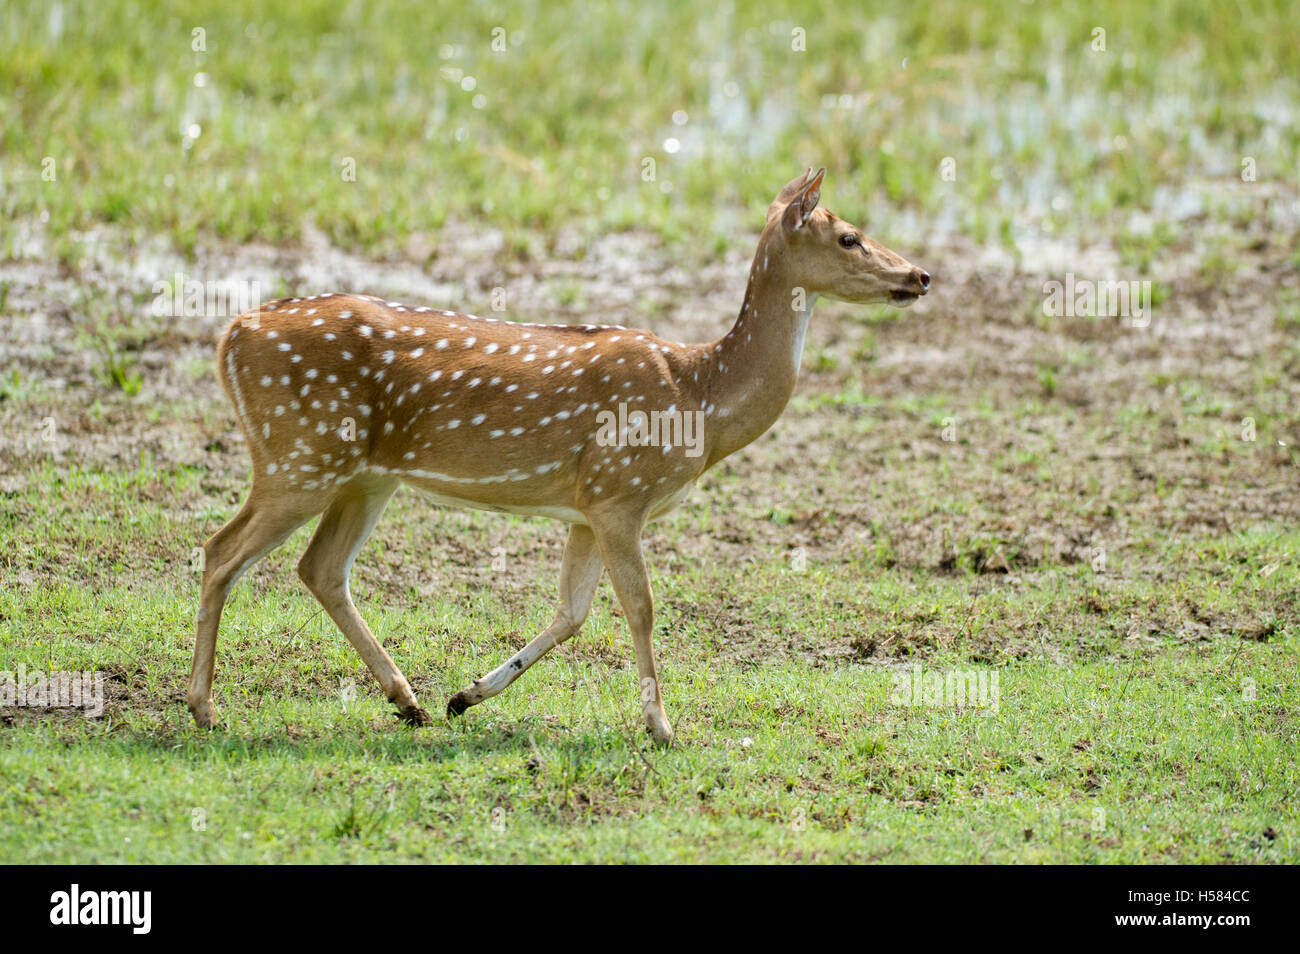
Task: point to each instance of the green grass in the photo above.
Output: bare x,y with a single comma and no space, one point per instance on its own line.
431,122
978,487
783,763
1113,740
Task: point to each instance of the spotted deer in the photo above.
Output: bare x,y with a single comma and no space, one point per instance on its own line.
342,398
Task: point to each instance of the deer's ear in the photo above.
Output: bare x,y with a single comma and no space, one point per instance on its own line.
788,192
802,204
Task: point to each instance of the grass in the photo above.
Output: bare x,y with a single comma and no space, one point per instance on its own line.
777,764
374,122
1099,515
1116,738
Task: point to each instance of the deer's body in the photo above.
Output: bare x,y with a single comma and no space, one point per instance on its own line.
455,405
344,397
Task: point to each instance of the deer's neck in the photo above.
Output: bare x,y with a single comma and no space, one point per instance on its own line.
752,369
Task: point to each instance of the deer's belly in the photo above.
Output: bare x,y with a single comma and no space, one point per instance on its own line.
443,495
485,499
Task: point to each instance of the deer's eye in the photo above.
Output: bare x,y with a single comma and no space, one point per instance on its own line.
848,240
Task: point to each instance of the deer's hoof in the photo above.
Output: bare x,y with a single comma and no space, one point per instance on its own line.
205,715
457,704
415,715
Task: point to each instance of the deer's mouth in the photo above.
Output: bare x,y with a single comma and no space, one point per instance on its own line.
902,298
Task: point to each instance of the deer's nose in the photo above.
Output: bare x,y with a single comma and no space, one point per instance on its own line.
923,279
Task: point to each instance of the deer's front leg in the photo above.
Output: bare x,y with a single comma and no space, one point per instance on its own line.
579,575
620,547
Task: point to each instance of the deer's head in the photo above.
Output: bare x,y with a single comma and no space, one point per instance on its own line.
828,256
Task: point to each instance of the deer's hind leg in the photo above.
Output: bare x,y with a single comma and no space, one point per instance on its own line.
262,524
326,566
579,576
